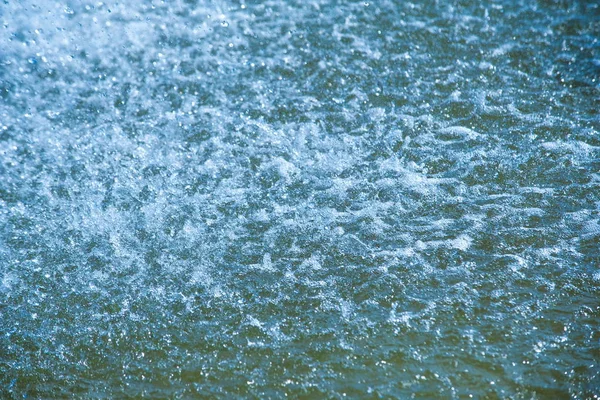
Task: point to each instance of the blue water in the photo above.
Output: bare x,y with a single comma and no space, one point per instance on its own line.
311,199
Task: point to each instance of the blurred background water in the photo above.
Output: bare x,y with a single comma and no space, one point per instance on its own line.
313,199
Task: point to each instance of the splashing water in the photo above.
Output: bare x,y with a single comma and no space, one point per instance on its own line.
312,199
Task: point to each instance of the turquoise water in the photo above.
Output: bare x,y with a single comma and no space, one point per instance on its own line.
311,199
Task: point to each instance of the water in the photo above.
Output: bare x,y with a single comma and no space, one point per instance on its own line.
317,199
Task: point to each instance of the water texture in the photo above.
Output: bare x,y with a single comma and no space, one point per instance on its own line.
312,199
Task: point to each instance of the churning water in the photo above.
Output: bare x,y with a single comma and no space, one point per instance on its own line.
316,199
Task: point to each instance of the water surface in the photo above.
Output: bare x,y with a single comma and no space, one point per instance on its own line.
318,199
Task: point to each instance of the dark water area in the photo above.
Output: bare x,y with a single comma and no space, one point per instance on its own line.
303,199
